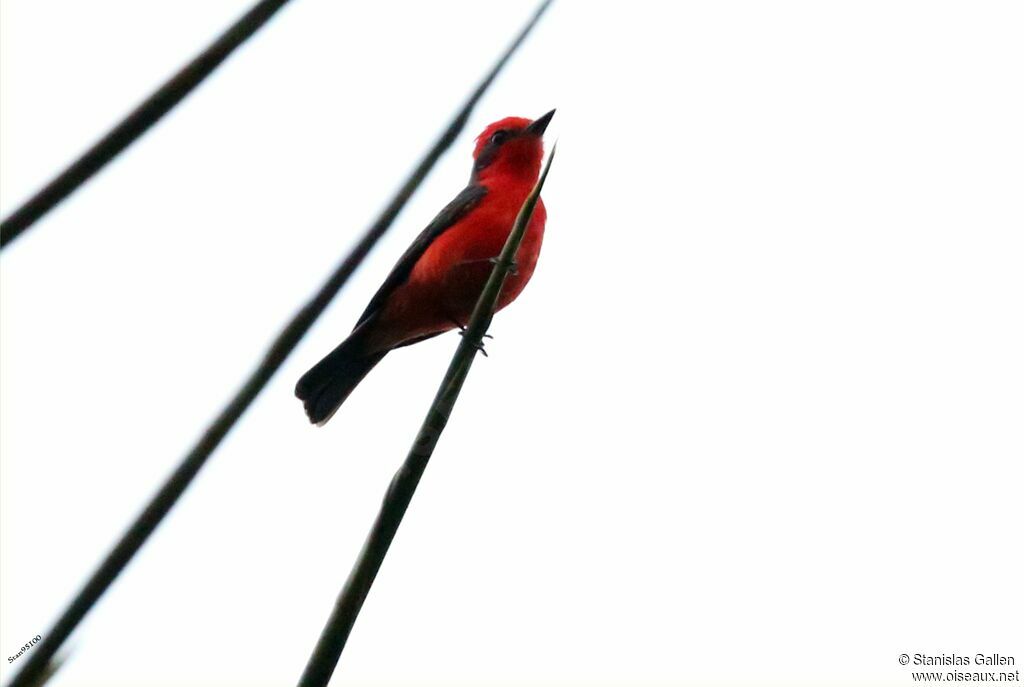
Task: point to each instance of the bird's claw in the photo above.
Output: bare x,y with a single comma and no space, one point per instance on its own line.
462,329
485,336
480,344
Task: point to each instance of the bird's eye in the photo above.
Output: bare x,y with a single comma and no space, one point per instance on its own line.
499,137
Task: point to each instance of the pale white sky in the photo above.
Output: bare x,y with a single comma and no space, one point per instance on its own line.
756,420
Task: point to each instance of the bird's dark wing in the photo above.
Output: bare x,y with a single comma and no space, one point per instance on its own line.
452,213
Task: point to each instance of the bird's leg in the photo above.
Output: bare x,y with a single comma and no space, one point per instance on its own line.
484,336
462,328
480,345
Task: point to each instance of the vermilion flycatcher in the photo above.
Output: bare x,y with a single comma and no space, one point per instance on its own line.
436,283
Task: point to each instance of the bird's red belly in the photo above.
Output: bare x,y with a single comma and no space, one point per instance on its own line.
447,280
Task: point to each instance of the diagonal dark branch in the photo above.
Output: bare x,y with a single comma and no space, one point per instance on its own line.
138,122
335,634
175,486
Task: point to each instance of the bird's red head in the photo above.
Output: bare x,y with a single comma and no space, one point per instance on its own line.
511,147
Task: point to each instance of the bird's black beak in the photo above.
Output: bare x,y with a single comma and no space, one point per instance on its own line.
539,125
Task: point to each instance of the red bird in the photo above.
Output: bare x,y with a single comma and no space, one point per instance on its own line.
436,283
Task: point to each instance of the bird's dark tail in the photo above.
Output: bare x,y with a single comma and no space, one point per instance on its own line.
327,384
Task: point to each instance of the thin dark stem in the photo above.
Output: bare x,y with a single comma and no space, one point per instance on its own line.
175,486
138,122
327,652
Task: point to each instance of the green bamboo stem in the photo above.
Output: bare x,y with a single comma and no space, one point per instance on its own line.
332,640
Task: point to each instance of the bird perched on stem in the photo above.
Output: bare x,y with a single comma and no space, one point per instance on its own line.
438,279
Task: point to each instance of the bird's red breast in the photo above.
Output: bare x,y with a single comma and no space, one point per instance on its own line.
446,281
